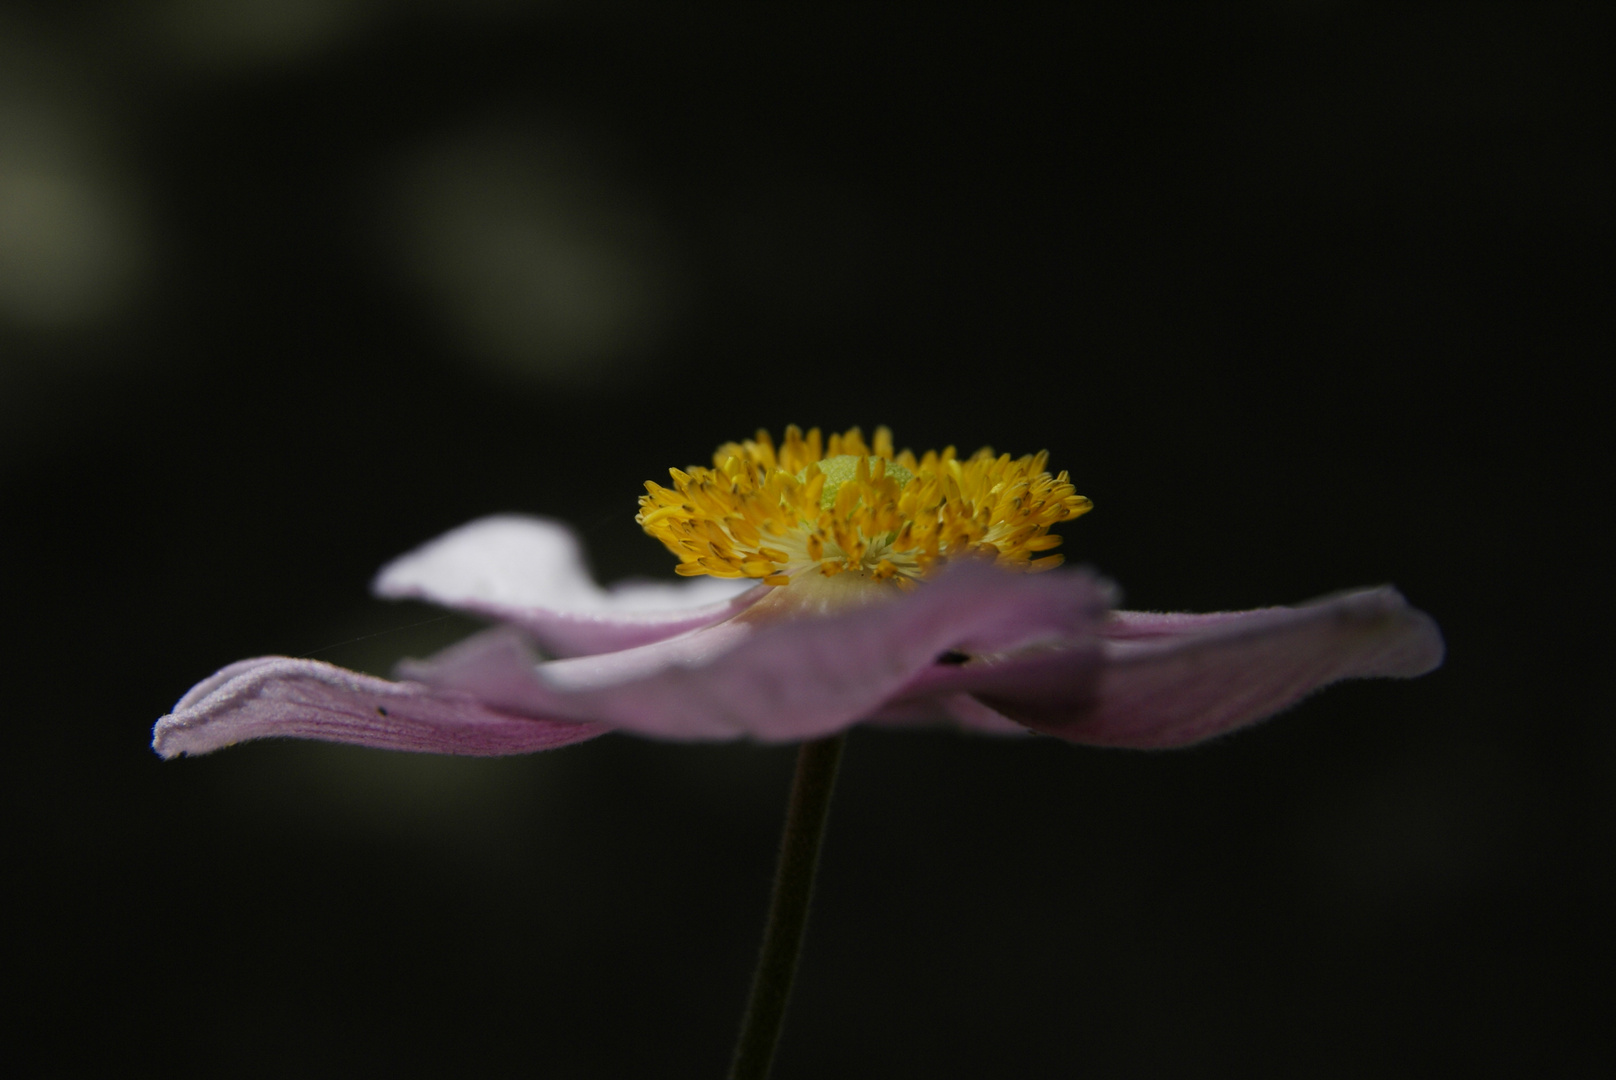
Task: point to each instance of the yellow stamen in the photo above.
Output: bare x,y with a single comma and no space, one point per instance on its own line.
841,504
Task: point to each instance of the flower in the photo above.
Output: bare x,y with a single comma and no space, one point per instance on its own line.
828,583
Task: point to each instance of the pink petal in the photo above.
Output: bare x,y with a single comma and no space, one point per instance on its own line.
780,679
947,710
1171,680
307,699
530,572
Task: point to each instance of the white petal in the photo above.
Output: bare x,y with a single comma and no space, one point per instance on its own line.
530,572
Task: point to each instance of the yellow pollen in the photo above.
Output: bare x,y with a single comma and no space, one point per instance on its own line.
841,504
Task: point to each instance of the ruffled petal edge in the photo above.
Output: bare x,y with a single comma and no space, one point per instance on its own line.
307,699
1171,680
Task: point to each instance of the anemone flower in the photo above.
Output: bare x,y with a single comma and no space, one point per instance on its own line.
829,582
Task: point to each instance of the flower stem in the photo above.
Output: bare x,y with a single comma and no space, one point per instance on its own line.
788,908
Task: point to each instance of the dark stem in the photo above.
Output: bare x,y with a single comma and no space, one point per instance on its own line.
788,908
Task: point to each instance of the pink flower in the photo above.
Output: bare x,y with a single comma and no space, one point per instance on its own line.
797,631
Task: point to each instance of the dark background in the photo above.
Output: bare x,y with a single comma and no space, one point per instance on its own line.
1304,295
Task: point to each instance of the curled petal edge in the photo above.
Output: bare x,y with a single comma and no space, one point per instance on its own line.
1165,681
307,699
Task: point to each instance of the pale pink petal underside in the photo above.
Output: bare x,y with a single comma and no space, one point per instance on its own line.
1172,680
785,679
306,699
530,572
960,711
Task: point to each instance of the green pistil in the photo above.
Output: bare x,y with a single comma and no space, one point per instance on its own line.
840,469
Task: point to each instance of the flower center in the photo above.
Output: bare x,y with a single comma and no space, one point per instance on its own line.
841,505
840,469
